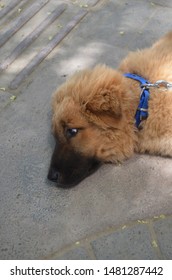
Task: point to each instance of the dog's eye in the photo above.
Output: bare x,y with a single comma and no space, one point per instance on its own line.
71,132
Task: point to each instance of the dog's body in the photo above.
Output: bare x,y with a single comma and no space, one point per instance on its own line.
94,114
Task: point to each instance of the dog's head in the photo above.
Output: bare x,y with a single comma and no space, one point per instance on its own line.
89,125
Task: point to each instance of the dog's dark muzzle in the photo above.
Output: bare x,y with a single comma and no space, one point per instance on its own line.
68,168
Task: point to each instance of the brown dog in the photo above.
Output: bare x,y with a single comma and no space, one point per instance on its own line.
94,114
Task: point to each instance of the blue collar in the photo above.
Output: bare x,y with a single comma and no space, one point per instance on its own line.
142,110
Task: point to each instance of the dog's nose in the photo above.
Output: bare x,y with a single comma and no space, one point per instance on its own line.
53,174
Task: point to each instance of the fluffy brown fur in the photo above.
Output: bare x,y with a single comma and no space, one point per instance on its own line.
101,104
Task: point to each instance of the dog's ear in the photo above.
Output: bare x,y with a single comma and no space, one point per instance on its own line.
105,106
105,101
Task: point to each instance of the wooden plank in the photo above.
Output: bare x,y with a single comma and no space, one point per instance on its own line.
10,7
46,50
32,36
17,23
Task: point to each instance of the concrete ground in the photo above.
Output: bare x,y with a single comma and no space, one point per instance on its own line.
121,211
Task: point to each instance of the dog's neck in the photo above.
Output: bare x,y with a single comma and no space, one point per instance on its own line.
132,93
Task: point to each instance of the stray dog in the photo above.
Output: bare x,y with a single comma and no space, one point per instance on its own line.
105,115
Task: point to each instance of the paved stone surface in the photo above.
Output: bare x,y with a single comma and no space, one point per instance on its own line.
131,243
163,229
143,239
74,254
94,219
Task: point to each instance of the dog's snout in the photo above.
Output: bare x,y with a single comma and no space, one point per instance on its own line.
53,174
68,167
